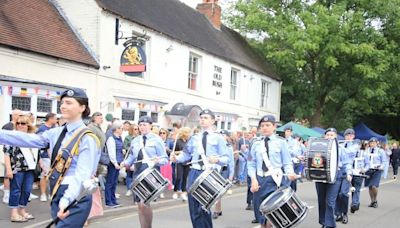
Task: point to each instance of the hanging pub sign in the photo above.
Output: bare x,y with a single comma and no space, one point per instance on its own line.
133,60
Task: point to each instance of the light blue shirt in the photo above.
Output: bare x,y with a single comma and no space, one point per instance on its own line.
362,161
112,150
295,148
83,165
155,147
279,155
345,160
216,146
231,162
377,158
351,149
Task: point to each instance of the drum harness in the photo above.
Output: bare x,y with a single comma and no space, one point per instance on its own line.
276,174
63,160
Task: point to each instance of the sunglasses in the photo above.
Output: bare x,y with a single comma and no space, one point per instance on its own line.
163,133
21,123
135,129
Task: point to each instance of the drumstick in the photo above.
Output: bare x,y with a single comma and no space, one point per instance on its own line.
297,176
173,151
192,162
176,139
147,159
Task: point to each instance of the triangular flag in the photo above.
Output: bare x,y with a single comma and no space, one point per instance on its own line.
10,90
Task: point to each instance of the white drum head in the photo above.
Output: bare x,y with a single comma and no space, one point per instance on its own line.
333,160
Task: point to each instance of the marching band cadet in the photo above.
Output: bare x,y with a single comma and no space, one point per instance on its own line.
84,159
147,150
269,154
328,192
376,159
296,152
351,148
227,171
205,150
360,164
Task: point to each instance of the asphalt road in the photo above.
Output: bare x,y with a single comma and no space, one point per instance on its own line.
176,214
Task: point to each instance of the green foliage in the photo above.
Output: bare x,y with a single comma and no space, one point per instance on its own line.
338,59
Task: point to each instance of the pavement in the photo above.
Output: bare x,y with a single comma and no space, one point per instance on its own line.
169,212
41,210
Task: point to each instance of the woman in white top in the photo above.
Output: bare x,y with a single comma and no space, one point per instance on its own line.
20,165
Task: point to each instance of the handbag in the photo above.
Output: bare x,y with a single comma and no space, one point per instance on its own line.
104,157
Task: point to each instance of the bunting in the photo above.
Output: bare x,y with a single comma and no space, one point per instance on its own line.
23,92
10,90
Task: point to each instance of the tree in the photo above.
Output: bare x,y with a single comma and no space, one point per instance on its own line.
336,58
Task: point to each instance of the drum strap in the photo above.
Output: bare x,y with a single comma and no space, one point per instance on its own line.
64,157
276,174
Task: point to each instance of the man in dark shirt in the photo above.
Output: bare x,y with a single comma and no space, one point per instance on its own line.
50,122
395,158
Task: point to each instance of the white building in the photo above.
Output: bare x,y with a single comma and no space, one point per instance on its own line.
191,62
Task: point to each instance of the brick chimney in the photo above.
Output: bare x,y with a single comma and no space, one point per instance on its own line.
212,11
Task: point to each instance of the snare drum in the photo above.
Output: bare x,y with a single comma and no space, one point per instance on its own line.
283,208
149,185
322,160
209,187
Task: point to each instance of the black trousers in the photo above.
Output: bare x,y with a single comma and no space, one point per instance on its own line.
182,172
395,165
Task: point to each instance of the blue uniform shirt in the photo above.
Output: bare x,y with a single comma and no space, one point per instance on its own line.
216,146
83,166
376,157
231,162
361,162
295,149
351,148
345,160
154,147
279,155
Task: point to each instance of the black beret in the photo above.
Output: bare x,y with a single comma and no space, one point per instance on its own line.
207,112
373,139
145,119
267,118
75,93
349,131
330,129
288,127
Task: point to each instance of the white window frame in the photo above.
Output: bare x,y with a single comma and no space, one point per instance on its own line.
193,72
233,92
264,93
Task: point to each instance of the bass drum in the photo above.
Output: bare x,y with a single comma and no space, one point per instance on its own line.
322,160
